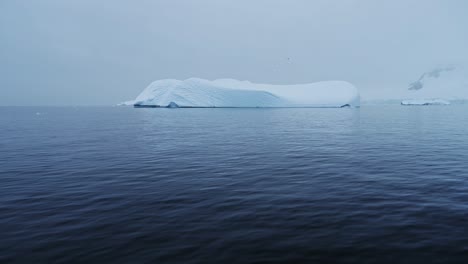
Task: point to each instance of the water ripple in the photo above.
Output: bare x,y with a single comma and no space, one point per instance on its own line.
376,184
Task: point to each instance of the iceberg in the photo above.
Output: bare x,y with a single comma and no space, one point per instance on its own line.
127,103
425,102
196,92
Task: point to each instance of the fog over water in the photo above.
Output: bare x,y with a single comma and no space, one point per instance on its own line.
102,52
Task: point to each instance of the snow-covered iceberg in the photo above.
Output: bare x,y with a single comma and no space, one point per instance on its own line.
425,102
196,92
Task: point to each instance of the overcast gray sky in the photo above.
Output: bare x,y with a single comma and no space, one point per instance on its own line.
89,52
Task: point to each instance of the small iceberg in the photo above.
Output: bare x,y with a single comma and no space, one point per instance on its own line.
126,103
421,102
196,92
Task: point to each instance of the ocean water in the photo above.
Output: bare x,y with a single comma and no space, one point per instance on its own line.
385,184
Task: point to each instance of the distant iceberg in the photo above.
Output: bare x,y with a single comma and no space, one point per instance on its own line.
196,92
425,102
127,103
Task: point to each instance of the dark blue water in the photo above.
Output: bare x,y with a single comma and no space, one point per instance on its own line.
384,184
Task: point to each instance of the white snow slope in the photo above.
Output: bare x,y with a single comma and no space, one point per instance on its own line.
196,92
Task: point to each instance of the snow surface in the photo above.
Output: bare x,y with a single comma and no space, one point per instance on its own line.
196,92
425,102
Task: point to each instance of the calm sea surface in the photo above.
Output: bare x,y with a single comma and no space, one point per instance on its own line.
386,184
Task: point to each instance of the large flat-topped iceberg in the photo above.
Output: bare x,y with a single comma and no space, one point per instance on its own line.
233,93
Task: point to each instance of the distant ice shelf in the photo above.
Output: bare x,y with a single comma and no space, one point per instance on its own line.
196,92
419,102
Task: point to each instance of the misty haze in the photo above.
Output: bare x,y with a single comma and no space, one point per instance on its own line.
213,131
